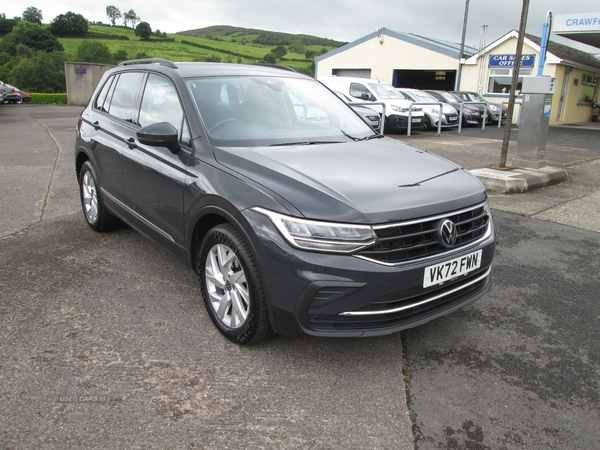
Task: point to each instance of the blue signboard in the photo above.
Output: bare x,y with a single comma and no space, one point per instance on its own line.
527,60
80,70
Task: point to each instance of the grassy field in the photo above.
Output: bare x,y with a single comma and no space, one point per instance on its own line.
227,43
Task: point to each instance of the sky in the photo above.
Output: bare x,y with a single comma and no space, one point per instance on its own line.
342,20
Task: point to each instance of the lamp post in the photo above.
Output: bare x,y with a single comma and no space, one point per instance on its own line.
462,48
513,85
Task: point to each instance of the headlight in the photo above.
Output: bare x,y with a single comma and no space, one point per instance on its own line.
493,107
321,236
398,108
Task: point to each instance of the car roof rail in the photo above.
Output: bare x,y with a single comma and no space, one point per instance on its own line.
274,66
159,61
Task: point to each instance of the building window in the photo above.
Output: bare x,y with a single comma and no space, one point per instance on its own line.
587,91
501,78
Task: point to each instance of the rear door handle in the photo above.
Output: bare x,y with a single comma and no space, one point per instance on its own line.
96,125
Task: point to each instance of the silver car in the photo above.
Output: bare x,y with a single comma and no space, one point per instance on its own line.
432,112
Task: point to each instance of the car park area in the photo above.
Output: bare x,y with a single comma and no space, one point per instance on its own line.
105,334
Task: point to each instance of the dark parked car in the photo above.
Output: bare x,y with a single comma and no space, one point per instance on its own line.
495,112
369,115
12,94
293,226
472,114
26,97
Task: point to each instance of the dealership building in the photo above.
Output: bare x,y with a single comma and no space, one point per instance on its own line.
408,60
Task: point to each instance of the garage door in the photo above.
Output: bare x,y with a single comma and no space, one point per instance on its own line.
358,73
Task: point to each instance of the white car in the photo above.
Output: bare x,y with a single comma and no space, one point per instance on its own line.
432,112
397,108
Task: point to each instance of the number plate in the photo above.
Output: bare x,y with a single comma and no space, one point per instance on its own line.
449,270
452,119
416,119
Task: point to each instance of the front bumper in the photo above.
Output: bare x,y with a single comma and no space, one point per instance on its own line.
337,295
396,122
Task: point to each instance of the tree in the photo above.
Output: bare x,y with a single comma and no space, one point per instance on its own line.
69,24
143,30
296,46
113,14
94,52
31,35
270,58
131,16
32,14
310,54
6,25
279,51
43,72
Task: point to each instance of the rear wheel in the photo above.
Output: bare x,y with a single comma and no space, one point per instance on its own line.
97,216
232,287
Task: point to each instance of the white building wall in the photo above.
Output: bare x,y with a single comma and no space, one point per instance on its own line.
383,58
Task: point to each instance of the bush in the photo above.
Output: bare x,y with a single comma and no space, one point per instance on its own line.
48,99
43,72
94,52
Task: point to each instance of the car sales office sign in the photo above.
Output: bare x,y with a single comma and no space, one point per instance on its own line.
527,60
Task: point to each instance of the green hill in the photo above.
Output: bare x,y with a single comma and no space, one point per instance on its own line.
224,43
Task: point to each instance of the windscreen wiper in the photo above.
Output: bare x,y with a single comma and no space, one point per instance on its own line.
283,144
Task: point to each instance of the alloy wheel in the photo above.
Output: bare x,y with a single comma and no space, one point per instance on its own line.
89,197
227,286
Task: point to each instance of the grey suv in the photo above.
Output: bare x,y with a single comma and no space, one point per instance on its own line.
295,215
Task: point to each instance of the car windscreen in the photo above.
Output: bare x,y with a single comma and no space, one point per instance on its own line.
450,98
240,111
386,91
421,96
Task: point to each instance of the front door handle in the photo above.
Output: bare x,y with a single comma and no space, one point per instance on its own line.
131,143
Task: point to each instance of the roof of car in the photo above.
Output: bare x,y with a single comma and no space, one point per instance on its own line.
195,69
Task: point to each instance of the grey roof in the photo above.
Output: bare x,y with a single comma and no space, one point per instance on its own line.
568,54
447,48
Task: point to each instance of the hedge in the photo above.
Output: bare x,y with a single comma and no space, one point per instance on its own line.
48,99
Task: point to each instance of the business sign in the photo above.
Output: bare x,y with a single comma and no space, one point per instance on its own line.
527,60
80,70
565,23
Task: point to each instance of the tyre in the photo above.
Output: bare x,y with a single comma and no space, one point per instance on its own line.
96,214
426,123
231,286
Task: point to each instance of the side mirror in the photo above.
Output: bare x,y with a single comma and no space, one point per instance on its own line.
366,97
162,134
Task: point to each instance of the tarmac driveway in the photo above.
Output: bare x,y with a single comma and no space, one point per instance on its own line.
105,343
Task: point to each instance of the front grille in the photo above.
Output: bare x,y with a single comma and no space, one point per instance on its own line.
410,240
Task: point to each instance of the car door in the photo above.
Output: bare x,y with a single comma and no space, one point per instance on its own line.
105,126
155,176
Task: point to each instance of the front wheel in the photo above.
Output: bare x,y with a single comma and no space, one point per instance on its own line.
232,287
96,214
426,123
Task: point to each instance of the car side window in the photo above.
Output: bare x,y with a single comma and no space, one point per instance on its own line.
160,103
360,91
101,102
123,99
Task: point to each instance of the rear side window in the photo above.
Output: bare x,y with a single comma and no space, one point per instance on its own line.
103,99
123,99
